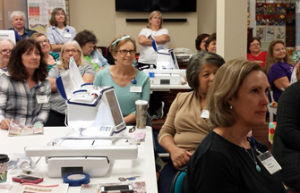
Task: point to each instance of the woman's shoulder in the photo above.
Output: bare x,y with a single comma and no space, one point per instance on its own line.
185,95
141,74
55,55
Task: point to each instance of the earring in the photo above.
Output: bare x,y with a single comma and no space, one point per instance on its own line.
230,107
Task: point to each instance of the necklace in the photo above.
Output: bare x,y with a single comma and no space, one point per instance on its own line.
252,157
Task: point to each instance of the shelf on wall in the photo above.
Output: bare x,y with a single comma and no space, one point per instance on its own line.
164,20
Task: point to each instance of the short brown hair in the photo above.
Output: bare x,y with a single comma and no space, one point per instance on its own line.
250,41
226,84
199,40
15,66
212,37
54,12
85,37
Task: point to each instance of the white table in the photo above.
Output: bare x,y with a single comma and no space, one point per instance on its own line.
143,166
154,87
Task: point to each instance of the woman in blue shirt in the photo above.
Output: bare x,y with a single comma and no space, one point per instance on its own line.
59,32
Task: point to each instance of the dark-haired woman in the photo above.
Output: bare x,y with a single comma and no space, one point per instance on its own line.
201,41
211,43
87,41
59,32
254,53
25,93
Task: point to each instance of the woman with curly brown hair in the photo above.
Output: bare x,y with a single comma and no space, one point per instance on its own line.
24,94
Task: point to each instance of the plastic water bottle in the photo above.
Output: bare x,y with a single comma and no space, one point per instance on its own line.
151,76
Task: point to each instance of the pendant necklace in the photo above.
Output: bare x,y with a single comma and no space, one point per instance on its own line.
254,160
252,157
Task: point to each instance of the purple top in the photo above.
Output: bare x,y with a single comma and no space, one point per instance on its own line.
278,70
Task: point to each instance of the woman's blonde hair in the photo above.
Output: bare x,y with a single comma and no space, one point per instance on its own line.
226,84
152,15
61,64
37,35
270,58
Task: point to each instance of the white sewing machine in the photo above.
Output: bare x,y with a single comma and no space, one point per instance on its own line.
95,114
92,155
166,77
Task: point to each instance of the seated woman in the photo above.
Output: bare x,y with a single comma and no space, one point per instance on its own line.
50,57
57,103
6,46
211,43
201,41
279,68
25,92
226,160
59,32
287,134
18,21
87,41
254,53
130,84
186,124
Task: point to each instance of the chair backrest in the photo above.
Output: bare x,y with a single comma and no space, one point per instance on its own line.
177,182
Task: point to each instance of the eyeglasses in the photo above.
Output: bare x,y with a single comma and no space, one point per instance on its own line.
124,52
5,51
72,51
255,44
43,42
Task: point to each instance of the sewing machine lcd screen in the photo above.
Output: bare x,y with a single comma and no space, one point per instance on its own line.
115,109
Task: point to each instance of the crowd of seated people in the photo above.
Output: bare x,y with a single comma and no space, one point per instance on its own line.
194,133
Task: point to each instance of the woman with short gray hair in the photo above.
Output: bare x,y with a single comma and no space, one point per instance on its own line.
6,46
18,20
186,124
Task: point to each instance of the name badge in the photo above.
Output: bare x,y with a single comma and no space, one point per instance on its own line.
205,114
67,35
269,162
135,89
95,60
42,99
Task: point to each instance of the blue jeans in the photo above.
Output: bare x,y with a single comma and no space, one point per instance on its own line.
166,177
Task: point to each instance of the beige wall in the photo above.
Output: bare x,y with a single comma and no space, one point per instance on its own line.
7,6
100,16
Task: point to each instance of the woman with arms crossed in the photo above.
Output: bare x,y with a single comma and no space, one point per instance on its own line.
279,68
59,32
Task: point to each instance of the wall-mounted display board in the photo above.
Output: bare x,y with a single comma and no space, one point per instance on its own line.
39,13
272,19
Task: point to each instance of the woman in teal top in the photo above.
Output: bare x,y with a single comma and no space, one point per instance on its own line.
129,83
